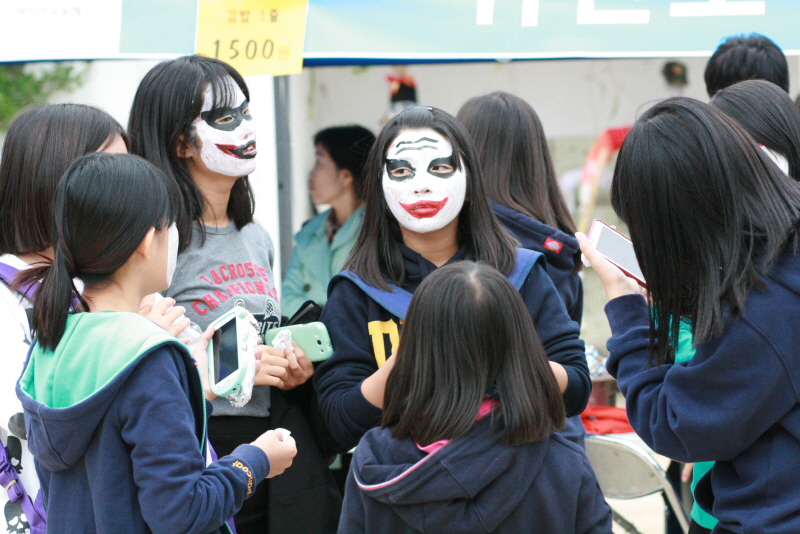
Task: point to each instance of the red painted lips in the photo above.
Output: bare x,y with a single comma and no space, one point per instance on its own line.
246,151
424,209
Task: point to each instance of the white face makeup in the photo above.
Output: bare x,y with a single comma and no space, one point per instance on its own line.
172,252
421,186
227,134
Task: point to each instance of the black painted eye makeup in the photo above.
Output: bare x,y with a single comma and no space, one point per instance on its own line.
227,118
446,167
399,170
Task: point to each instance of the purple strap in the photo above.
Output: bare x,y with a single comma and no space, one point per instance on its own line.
8,274
214,458
9,479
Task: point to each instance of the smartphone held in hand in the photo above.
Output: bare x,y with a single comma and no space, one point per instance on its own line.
616,248
311,337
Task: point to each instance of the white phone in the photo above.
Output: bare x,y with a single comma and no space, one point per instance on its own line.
616,248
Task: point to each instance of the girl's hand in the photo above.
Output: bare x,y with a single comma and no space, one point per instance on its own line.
300,367
284,370
201,358
614,280
158,314
686,473
274,368
280,451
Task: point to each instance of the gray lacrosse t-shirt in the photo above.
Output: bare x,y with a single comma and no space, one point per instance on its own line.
232,267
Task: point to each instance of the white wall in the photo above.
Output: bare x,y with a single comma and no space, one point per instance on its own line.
574,98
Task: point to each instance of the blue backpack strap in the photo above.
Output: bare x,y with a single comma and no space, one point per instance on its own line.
526,259
395,302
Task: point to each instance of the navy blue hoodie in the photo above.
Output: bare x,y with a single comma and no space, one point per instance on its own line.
474,484
736,402
116,423
364,335
559,250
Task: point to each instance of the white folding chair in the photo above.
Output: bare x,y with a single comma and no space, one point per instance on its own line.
626,469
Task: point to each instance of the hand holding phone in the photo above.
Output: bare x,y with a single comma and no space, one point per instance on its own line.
616,248
615,282
313,338
232,352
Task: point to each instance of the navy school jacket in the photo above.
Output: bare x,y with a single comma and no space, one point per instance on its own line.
474,484
364,335
129,457
737,401
559,249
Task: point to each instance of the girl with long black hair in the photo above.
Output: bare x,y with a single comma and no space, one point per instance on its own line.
714,224
191,118
425,207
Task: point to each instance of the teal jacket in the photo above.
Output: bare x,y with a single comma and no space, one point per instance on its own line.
315,261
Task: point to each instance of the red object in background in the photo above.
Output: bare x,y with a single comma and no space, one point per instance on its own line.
605,420
605,146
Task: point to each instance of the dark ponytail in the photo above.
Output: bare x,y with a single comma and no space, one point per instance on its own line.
104,206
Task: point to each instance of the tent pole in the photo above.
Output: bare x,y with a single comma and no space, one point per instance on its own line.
284,167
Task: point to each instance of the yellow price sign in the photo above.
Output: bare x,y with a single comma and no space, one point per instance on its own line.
254,36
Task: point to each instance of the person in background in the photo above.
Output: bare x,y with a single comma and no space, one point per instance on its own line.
467,440
324,242
746,57
523,189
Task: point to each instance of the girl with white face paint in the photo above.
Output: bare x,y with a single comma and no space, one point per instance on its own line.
191,118
425,207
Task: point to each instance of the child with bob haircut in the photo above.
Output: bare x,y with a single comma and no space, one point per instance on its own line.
114,407
467,441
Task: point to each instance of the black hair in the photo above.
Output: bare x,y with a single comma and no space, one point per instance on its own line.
39,146
515,160
348,147
104,206
376,256
468,332
707,211
746,57
768,114
168,100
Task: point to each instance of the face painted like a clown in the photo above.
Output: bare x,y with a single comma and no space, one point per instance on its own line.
422,187
227,134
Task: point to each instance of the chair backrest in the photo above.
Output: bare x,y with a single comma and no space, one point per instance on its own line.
627,470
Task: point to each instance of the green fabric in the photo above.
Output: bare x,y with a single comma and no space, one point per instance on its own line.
314,261
684,352
94,349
